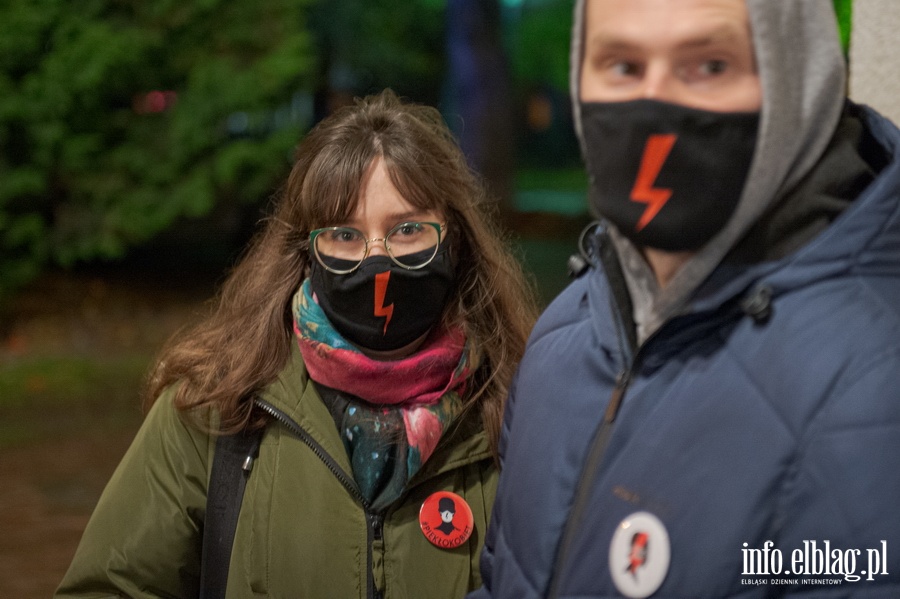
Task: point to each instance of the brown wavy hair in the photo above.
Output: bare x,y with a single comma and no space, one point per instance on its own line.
246,340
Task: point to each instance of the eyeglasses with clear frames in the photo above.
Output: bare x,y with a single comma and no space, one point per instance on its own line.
410,245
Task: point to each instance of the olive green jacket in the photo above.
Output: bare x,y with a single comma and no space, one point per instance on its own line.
302,531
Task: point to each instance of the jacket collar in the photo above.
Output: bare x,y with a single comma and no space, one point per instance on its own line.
293,394
869,226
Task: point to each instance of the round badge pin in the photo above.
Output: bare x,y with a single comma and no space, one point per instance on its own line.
639,555
446,519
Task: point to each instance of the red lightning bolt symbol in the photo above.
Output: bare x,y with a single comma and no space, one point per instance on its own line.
381,283
655,154
637,556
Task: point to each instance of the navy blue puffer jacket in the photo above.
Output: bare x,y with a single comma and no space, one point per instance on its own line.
770,412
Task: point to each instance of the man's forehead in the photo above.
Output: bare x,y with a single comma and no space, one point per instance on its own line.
687,15
620,23
699,37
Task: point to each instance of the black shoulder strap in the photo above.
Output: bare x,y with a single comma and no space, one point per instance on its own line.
231,467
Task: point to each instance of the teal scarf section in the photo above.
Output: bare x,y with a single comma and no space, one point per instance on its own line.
390,414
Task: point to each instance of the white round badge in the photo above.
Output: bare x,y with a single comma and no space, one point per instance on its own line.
639,555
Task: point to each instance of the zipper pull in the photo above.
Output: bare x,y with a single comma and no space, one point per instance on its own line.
247,466
377,522
250,459
616,399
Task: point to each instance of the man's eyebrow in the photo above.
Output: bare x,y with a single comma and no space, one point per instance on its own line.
724,33
612,41
603,41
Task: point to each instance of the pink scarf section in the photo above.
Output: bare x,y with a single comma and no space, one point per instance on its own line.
422,378
439,367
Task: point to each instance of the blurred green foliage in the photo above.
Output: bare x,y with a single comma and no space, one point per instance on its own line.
561,179
539,44
366,45
40,396
90,165
844,11
68,379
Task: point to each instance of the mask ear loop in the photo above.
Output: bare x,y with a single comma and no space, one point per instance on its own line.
588,252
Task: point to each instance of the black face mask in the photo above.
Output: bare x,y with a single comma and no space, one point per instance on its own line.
380,305
667,176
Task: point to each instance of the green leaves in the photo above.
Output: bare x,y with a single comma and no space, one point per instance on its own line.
90,164
540,44
844,11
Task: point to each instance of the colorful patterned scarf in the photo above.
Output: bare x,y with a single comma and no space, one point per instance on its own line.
391,414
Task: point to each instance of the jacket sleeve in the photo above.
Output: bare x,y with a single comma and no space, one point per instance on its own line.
144,537
846,483
486,563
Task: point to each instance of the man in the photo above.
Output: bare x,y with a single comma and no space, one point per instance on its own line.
712,409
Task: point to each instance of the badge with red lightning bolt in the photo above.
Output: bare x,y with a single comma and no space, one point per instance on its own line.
655,154
381,283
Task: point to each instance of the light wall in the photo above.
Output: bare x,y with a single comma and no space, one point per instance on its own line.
875,55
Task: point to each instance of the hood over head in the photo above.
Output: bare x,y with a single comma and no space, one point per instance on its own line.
803,76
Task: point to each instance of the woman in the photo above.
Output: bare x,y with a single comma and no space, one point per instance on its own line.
370,333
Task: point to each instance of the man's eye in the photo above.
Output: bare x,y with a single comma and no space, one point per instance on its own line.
613,66
624,68
713,67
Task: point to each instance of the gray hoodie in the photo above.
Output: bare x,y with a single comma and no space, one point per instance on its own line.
802,73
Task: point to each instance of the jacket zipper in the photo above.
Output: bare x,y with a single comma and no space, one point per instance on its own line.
317,449
597,450
592,465
586,479
374,521
601,439
376,528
